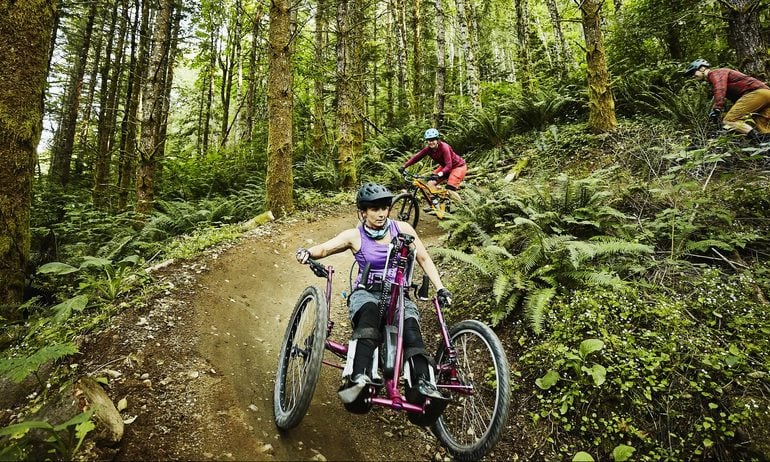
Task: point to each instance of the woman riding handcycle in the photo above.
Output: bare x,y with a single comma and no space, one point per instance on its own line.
463,392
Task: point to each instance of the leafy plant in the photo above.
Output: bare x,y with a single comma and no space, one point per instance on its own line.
98,276
18,368
552,238
65,439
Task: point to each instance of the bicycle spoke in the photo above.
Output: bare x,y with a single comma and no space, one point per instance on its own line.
472,423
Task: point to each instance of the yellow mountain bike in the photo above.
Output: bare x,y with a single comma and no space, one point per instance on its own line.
406,205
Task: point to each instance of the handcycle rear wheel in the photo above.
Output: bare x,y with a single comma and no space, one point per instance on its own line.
472,423
299,363
406,209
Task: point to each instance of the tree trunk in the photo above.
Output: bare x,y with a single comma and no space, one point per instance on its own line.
65,136
417,63
601,104
319,110
744,32
471,71
108,106
560,49
168,81
280,183
522,40
358,37
345,112
439,95
130,123
152,109
399,32
227,66
25,35
251,91
79,149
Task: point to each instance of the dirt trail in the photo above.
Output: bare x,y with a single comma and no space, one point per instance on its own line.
208,349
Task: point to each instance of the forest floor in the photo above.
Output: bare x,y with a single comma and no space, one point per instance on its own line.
196,365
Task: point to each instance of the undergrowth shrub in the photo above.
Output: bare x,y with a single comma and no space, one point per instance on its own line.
672,377
529,240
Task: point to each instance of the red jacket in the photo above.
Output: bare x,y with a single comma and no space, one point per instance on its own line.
444,155
731,84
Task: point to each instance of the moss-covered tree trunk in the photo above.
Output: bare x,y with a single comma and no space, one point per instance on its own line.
471,70
563,59
110,80
25,35
526,79
344,87
745,35
152,109
417,60
279,111
130,121
601,104
439,95
319,108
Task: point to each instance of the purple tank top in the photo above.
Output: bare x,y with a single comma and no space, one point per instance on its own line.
374,253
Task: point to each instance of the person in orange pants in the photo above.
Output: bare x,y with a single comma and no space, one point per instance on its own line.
451,167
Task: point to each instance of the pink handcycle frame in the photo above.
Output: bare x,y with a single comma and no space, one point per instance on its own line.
394,399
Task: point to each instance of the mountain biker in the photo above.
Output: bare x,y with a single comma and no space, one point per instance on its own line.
452,168
750,97
369,244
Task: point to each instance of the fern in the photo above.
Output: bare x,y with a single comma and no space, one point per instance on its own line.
20,367
552,239
535,304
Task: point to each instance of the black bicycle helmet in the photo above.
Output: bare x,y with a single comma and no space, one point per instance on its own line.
372,194
695,65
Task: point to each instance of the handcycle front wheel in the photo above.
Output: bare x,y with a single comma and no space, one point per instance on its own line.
406,209
472,423
299,362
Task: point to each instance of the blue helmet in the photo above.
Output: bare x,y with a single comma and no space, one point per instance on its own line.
431,133
695,65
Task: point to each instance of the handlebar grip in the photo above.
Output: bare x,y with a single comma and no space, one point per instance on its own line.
317,268
364,276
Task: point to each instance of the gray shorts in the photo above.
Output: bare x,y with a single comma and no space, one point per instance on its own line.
359,297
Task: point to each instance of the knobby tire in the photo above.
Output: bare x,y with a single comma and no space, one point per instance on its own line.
299,363
471,425
405,208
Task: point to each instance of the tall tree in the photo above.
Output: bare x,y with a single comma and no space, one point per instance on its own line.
745,35
439,95
319,109
228,61
252,82
345,103
129,124
522,39
280,104
471,70
562,57
152,109
108,103
25,35
601,104
64,140
398,12
417,60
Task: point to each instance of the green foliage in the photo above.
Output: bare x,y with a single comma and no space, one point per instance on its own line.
18,368
656,373
95,277
483,136
554,236
64,439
